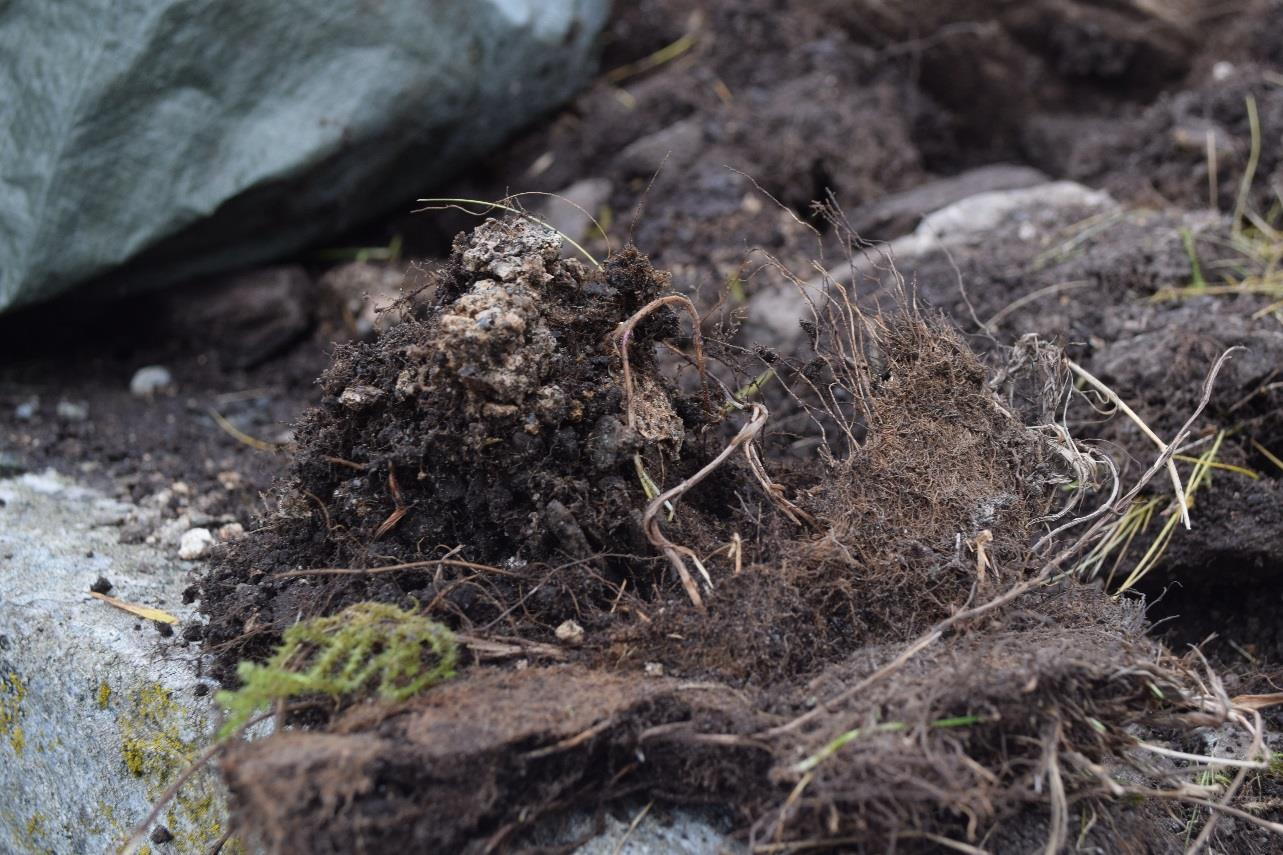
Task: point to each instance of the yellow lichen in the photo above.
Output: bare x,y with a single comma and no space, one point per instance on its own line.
104,695
153,748
35,829
151,744
12,694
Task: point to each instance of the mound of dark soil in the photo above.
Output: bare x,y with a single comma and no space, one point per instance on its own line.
876,657
497,424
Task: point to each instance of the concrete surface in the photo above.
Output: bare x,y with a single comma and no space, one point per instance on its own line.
98,711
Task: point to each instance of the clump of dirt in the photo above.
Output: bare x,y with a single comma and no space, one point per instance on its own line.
938,467
965,741
880,658
497,423
1135,316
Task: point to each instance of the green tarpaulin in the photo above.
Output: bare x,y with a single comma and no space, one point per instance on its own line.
147,141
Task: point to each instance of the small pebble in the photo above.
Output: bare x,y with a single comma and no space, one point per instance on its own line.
654,669
101,585
11,464
360,397
72,411
195,543
161,834
150,380
570,632
231,531
26,411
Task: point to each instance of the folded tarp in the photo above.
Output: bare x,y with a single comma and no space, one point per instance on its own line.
144,142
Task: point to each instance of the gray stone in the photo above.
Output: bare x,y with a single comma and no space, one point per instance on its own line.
72,411
195,543
573,210
11,464
26,411
362,292
246,318
676,146
657,832
149,380
894,215
1023,214
98,714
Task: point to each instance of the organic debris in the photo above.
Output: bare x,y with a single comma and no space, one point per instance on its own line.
883,652
367,647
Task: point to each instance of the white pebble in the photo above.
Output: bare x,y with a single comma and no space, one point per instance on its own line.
195,543
149,380
72,411
570,632
27,409
231,531
360,397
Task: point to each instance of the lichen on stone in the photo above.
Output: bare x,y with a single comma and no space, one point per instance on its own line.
155,747
12,693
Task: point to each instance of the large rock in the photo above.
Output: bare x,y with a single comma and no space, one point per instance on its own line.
98,711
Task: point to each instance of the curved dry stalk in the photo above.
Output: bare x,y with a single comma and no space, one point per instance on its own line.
650,518
580,208
775,492
1059,831
394,568
1104,507
1153,437
458,205
1257,729
1032,296
625,331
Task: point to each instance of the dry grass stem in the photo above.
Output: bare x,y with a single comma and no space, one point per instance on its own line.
1153,437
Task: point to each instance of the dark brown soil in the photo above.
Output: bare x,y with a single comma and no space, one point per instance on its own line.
861,99
241,347
491,428
1154,354
924,503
